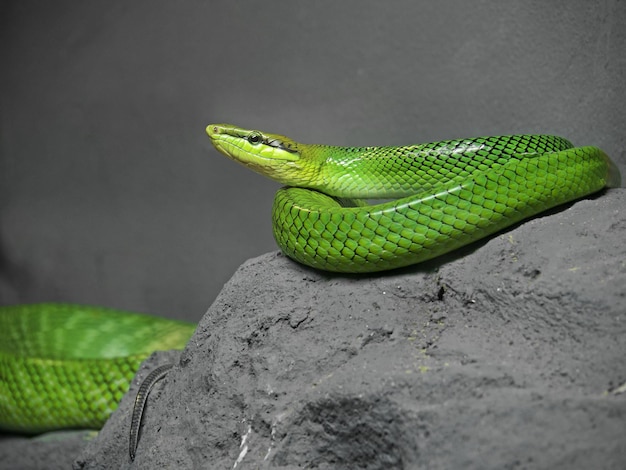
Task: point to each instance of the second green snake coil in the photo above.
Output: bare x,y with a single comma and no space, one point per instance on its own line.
449,193
68,366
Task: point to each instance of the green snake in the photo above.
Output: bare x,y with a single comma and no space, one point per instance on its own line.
442,195
68,366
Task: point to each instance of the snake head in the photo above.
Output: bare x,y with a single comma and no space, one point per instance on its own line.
272,155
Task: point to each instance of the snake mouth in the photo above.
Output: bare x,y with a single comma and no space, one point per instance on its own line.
252,147
271,155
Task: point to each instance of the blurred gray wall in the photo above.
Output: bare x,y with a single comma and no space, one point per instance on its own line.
110,192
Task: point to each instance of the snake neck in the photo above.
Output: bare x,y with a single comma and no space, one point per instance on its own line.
366,172
391,172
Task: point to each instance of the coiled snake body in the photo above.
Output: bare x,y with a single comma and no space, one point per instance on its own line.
68,366
449,193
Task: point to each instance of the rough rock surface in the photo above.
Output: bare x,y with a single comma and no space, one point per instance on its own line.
506,354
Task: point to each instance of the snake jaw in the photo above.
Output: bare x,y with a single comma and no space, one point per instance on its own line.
272,155
249,145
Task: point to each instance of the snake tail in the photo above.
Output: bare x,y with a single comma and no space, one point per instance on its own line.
140,405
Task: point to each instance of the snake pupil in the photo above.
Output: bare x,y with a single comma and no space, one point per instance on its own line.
255,138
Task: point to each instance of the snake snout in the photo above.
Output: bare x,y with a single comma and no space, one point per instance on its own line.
214,129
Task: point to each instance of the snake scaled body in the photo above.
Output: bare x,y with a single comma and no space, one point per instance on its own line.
68,366
443,195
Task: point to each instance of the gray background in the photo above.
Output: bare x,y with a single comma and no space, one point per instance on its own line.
110,192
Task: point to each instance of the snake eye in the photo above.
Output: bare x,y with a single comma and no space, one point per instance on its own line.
255,138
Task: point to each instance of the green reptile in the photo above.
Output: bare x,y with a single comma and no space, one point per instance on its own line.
68,366
443,195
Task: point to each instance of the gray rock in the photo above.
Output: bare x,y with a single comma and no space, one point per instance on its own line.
506,354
